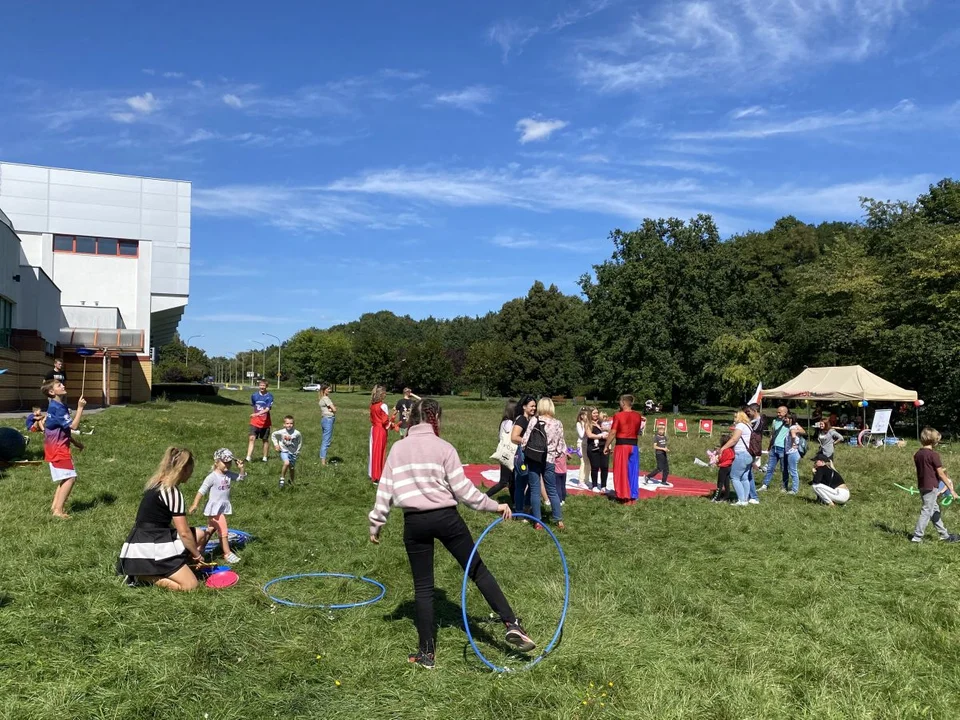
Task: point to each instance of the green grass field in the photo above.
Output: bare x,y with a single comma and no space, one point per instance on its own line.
679,608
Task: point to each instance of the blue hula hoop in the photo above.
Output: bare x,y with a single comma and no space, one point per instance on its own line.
322,606
566,597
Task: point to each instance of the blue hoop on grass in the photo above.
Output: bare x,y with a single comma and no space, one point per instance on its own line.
566,597
321,606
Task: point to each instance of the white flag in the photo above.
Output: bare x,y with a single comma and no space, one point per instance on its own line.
757,396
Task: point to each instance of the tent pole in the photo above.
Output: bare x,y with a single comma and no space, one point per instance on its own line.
917,409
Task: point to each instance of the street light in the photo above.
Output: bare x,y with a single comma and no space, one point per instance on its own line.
278,356
264,373
186,359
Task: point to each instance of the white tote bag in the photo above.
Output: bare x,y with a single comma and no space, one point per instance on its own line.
506,451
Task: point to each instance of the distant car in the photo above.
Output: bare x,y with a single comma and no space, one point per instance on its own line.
312,387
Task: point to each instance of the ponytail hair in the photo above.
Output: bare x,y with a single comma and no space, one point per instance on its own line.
426,411
378,394
175,467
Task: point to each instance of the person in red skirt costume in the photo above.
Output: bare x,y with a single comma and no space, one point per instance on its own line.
379,424
626,455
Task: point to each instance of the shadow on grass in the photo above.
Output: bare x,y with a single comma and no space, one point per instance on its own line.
104,498
448,614
892,530
207,400
5,600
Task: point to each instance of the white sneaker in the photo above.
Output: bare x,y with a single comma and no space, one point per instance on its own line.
264,458
762,488
248,458
753,501
597,489
740,504
282,483
232,558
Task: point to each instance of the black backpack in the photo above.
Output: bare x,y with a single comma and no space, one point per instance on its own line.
755,448
536,448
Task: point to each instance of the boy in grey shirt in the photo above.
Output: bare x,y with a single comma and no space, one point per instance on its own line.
287,442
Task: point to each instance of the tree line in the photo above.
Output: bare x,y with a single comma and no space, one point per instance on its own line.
677,314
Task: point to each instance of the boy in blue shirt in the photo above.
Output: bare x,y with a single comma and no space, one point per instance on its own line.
34,420
261,401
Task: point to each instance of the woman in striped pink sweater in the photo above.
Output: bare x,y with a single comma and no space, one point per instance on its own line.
424,477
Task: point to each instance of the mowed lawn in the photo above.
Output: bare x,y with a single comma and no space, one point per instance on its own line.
679,608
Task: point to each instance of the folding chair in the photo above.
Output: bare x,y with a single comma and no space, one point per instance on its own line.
679,426
706,427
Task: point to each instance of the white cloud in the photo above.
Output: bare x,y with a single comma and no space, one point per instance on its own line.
511,36
470,98
903,114
532,130
242,318
200,135
752,111
526,241
143,104
149,71
198,84
123,117
173,74
225,271
233,101
730,43
450,297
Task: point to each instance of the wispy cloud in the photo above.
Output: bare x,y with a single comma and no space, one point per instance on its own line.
527,241
742,42
533,129
243,318
471,98
752,111
144,104
224,271
232,100
405,296
512,35
904,114
173,75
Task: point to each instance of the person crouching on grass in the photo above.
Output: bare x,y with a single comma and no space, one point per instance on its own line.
58,430
217,483
156,552
423,475
287,442
828,484
930,474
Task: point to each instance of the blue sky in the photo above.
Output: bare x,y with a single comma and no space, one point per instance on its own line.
437,157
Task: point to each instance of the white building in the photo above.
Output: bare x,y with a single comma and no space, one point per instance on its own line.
118,249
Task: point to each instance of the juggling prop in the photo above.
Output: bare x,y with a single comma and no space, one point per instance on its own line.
84,353
911,490
566,597
220,579
325,606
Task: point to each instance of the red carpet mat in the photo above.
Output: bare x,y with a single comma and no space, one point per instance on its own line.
489,475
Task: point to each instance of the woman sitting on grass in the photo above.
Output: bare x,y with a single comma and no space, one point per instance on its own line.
162,542
423,475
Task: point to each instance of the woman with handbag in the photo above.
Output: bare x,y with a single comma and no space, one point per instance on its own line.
506,426
526,488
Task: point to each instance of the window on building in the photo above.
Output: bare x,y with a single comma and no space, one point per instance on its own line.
87,245
6,321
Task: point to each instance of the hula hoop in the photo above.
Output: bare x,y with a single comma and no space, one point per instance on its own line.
566,597
323,606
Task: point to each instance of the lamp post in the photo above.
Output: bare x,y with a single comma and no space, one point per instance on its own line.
278,356
186,359
264,373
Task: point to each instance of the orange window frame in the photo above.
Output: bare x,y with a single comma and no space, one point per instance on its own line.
97,239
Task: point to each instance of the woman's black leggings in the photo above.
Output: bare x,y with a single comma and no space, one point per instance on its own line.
599,465
506,481
420,529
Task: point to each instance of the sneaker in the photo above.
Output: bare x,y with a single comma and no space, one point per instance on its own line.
282,483
248,458
666,484
232,558
951,538
263,459
424,660
596,489
518,637
761,488
740,503
916,539
562,503
791,492
753,501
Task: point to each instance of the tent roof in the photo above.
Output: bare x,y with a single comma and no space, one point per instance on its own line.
850,383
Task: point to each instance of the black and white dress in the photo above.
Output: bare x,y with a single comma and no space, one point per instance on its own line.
154,547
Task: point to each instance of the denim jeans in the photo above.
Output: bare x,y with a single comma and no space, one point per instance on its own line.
775,458
792,460
752,489
740,476
326,424
550,481
526,485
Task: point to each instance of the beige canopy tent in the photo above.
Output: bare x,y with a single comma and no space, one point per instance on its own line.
851,383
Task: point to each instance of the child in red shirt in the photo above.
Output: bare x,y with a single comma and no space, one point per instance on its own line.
724,463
